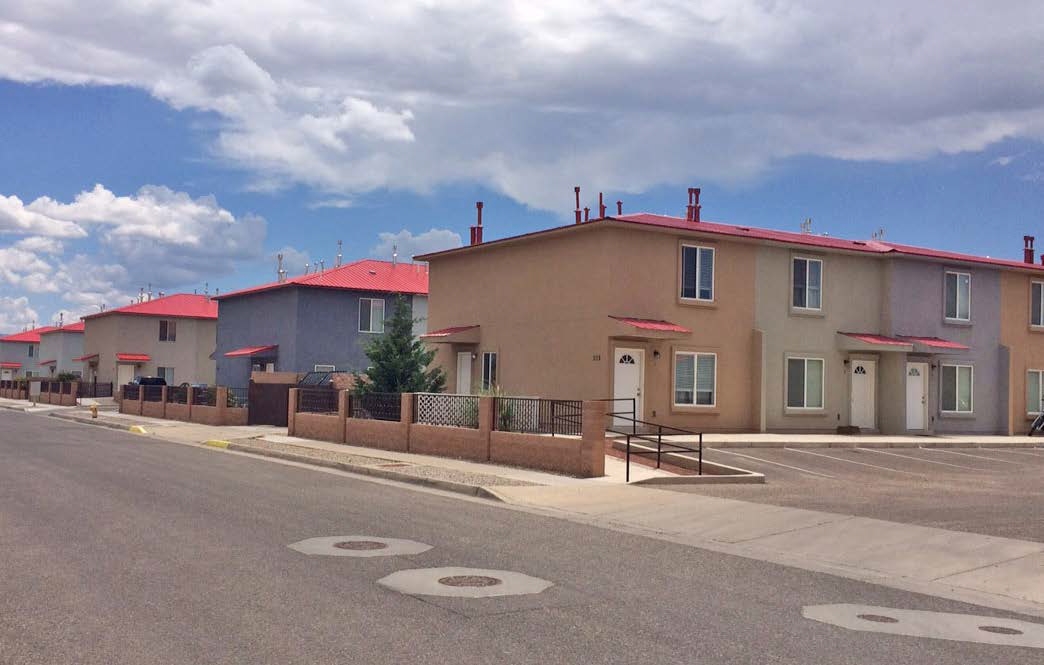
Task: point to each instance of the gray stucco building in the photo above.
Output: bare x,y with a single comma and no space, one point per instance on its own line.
321,320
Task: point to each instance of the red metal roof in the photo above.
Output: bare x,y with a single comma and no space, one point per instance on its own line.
71,328
652,324
251,351
29,336
6,365
446,332
179,305
133,357
365,275
48,362
935,342
873,338
85,358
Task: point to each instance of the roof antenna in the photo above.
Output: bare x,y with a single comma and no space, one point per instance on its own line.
150,291
322,265
61,319
280,272
206,288
339,256
877,235
306,267
806,226
395,255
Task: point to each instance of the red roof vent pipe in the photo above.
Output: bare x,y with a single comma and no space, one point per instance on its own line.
601,206
619,207
476,231
576,190
692,211
587,214
1027,251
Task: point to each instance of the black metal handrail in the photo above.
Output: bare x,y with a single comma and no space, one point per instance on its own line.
656,438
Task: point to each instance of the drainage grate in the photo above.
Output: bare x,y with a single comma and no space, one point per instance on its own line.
1000,630
360,545
469,581
877,618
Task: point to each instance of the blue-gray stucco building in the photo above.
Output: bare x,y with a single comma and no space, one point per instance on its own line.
321,320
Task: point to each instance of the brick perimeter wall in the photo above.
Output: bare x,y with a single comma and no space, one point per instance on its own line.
153,409
206,415
177,411
558,454
469,444
319,427
380,434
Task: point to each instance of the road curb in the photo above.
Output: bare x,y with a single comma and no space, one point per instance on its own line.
91,421
446,485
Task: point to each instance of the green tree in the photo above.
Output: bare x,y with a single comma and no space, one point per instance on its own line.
399,362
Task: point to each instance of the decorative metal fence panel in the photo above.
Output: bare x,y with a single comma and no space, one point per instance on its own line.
131,391
67,388
317,400
238,398
152,393
530,415
377,406
446,410
204,397
177,394
94,389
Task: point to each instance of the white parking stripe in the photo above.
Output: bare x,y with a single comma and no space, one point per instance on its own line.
842,459
785,466
954,452
919,459
1022,452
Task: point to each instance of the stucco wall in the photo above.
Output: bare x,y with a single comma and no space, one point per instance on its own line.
852,297
62,347
189,355
915,307
328,328
1025,345
18,352
259,319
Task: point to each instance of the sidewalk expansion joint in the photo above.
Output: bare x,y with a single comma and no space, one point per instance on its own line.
989,565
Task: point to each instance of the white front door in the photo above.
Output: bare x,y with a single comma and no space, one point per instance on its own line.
627,383
864,393
124,374
916,396
464,373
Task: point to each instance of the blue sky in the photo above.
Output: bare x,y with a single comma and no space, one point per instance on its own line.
182,161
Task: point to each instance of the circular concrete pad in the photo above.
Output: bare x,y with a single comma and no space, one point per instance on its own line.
937,625
359,546
463,582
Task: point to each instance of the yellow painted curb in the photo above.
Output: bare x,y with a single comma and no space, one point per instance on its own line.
137,429
217,443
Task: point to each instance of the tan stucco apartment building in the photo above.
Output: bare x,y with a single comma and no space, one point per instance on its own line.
173,337
717,327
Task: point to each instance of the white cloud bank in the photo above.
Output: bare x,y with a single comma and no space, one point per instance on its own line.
529,98
409,244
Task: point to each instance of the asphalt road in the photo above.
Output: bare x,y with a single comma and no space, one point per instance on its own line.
996,492
120,549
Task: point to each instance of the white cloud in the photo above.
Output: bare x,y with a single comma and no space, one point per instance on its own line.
530,97
410,245
41,245
1003,160
16,314
331,203
16,218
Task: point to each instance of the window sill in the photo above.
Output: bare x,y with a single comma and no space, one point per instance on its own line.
957,322
693,302
686,410
1036,329
957,415
814,413
803,311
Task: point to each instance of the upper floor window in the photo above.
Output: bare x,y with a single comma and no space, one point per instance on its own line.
489,370
808,284
1037,304
371,315
168,331
32,350
956,390
958,296
695,379
325,368
697,273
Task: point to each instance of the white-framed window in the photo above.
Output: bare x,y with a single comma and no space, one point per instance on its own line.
168,330
956,391
808,283
325,368
1034,392
695,378
1037,303
75,372
958,296
697,273
371,315
489,370
166,373
805,383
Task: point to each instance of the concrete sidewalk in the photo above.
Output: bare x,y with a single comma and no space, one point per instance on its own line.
771,440
996,572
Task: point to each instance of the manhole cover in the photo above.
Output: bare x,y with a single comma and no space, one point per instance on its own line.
469,580
877,618
360,545
1000,630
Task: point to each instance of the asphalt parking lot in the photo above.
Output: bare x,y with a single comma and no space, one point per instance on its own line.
993,491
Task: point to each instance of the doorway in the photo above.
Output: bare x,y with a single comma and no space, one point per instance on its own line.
863,413
464,373
916,396
628,377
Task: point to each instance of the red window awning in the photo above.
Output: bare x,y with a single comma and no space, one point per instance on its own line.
248,351
10,365
453,335
82,359
49,362
631,326
934,343
133,357
652,324
866,341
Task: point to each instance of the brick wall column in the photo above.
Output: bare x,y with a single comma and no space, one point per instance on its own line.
75,392
188,401
592,445
291,411
221,401
485,424
141,399
406,416
163,399
343,397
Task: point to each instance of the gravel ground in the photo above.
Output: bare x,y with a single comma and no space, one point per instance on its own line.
418,470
